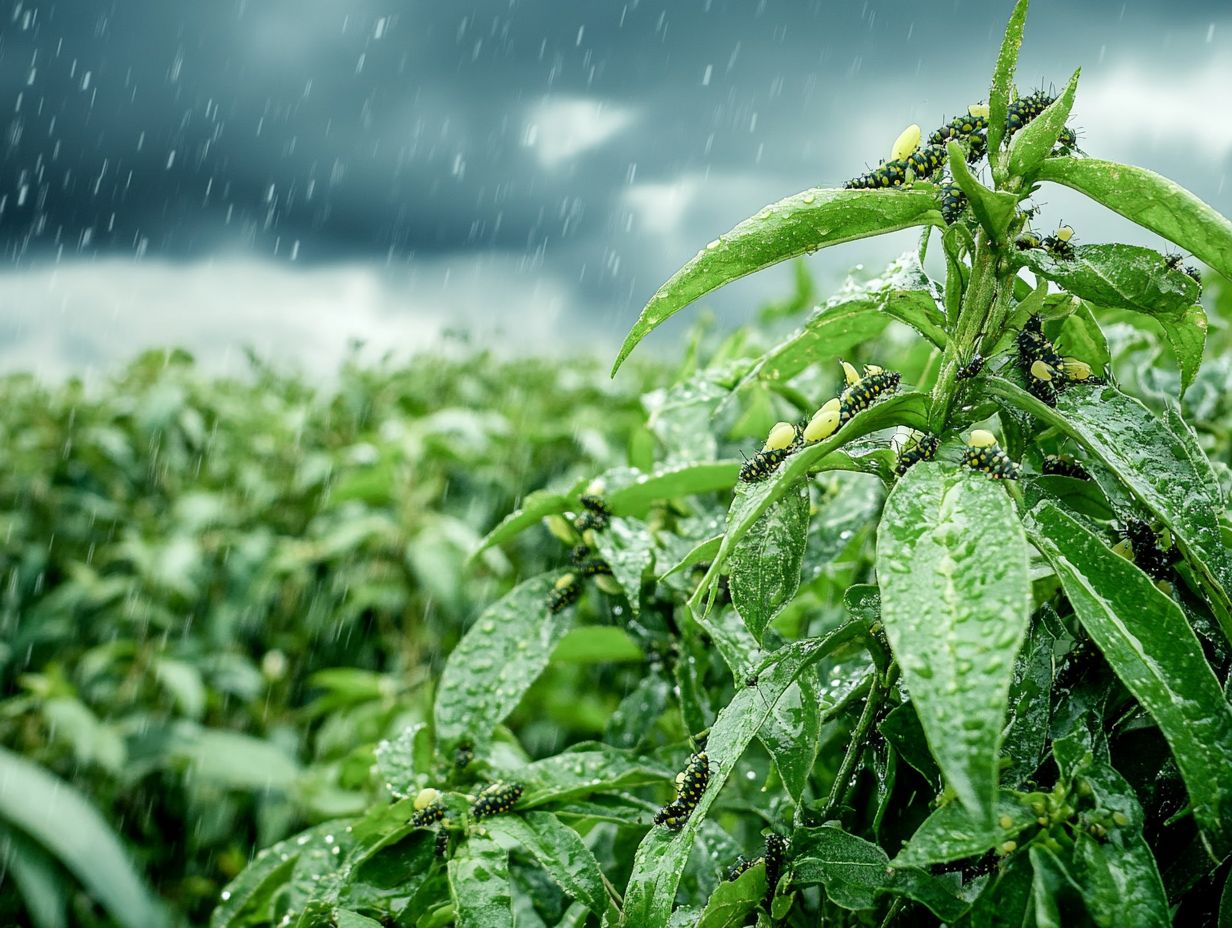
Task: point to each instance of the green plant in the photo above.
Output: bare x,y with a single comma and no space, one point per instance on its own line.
219,595
959,699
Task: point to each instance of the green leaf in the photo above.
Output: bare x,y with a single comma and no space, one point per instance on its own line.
1121,883
1081,337
1003,78
232,760
703,551
1119,276
733,900
1168,475
951,833
57,817
955,591
584,770
405,761
792,729
479,884
1153,202
662,854
535,507
907,408
634,719
560,851
993,208
345,918
1035,141
1186,337
499,657
627,547
1026,736
765,565
1146,640
1058,899
39,881
257,884
856,873
597,644
670,483
854,315
797,225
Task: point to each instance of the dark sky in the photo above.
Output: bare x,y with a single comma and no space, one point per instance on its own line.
290,173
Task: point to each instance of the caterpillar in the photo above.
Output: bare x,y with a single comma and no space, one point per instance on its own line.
428,815
1155,562
1043,390
579,554
953,203
971,368
925,162
463,756
783,437
690,786
1034,346
1027,241
1025,109
959,128
925,450
741,866
564,594
1062,465
985,455
776,854
496,799
860,395
762,465
1067,142
590,520
595,567
886,174
1059,245
440,845
595,504
1177,263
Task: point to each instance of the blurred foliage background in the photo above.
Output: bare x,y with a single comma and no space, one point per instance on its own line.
218,595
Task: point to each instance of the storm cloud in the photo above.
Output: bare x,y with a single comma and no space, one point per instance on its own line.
532,167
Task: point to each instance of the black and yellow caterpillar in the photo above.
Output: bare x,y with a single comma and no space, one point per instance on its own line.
1062,465
971,368
428,816
953,203
564,594
861,394
690,786
985,455
1156,562
776,856
924,450
496,799
762,464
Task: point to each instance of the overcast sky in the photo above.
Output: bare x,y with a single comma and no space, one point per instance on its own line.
288,174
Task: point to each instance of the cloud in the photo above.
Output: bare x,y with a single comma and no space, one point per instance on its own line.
561,129
65,319
1178,99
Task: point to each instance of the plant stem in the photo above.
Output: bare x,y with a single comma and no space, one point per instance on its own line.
855,747
978,300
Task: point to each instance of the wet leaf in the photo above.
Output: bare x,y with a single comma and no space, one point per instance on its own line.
1032,143
560,851
1152,201
479,884
1118,276
661,856
499,657
856,873
1168,475
797,225
766,563
733,900
627,547
1003,77
1146,640
955,590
